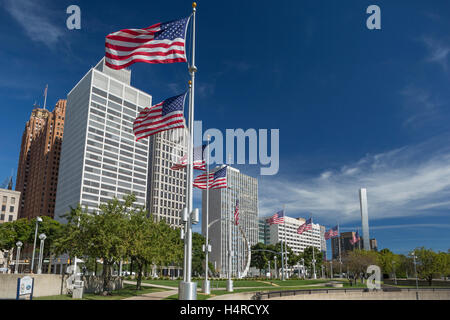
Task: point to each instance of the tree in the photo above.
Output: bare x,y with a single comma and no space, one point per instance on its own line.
307,255
259,259
198,256
429,263
11,232
357,262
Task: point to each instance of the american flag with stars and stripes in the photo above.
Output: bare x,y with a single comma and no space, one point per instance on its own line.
159,43
236,212
305,227
355,238
216,180
277,218
163,116
199,159
333,232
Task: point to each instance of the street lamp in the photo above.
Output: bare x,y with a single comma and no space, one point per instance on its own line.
415,270
395,276
303,267
276,271
38,219
42,236
19,245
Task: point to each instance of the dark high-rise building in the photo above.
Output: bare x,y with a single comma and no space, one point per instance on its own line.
37,171
346,245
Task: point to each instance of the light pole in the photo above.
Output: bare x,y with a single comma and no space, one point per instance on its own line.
19,245
303,267
276,271
395,276
415,270
331,267
38,219
323,276
42,237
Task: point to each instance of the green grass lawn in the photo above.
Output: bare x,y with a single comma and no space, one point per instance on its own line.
242,283
127,292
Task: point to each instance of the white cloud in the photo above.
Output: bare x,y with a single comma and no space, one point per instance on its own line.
438,51
404,182
35,20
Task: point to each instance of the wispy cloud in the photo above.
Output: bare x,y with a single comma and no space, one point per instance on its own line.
403,182
36,20
439,51
421,105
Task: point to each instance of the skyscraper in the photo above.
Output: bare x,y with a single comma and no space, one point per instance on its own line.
364,218
37,171
222,204
166,187
100,158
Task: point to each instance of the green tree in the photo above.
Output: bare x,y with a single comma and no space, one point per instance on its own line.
198,256
357,262
429,263
259,259
307,255
11,232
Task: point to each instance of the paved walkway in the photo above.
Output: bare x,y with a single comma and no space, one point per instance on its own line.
171,291
160,295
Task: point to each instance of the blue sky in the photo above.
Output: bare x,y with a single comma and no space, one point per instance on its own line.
355,107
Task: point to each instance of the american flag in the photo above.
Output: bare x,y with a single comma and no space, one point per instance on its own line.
277,218
305,227
236,212
159,43
163,116
216,180
333,232
199,160
355,238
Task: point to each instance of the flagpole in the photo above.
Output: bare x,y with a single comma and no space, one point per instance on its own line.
340,258
188,289
229,281
285,249
313,249
206,283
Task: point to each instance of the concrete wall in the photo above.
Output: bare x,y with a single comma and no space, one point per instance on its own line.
380,295
52,284
412,282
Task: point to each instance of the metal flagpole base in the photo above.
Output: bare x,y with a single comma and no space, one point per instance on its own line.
206,287
187,291
230,285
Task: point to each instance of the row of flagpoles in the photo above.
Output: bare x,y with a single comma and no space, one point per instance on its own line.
279,218
166,43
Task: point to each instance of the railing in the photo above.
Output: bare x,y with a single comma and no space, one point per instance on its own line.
284,293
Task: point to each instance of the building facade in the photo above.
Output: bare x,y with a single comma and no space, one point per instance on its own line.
10,205
287,232
100,158
346,245
37,171
166,187
222,203
264,231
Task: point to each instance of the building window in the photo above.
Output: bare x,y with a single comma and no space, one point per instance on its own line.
2,217
11,209
3,208
10,218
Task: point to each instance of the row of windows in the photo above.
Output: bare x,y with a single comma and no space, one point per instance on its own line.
2,217
11,208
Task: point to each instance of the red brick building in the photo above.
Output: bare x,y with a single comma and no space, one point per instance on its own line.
37,172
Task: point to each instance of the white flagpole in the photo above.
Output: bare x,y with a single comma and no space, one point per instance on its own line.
340,258
285,248
313,249
187,288
206,284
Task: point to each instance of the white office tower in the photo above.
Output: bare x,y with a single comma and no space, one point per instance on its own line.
222,203
297,242
167,187
100,158
364,218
